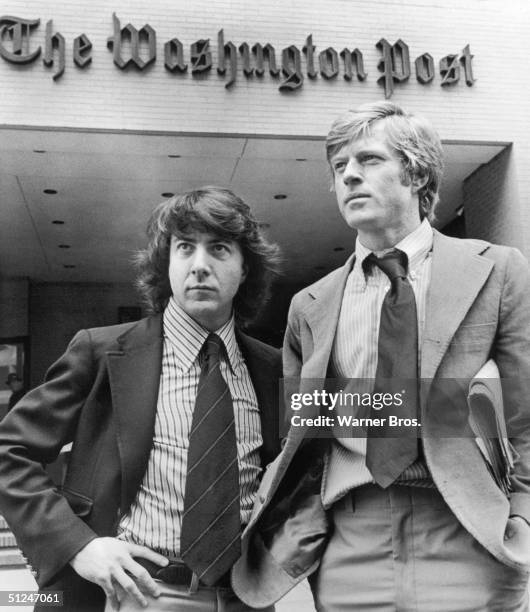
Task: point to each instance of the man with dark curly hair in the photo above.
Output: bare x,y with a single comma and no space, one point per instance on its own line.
172,419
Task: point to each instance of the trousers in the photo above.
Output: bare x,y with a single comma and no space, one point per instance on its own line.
181,599
401,549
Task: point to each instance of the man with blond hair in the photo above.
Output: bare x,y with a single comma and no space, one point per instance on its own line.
410,522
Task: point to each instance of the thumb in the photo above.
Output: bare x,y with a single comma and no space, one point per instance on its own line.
146,553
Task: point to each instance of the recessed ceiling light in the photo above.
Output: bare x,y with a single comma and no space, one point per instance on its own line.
174,156
280,196
58,222
50,191
167,194
68,266
39,151
338,249
64,246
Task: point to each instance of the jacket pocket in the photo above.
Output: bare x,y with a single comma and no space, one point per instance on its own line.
80,504
475,334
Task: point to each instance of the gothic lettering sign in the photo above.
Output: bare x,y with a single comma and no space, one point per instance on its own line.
18,32
135,48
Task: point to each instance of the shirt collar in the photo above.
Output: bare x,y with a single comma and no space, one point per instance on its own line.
187,336
416,245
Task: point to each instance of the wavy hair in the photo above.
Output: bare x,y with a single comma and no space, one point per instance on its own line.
413,138
220,212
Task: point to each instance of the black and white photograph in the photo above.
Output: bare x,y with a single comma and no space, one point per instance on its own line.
265,306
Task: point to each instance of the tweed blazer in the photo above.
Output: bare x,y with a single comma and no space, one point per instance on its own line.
478,307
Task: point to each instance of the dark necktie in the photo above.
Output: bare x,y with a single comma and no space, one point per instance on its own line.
211,525
387,455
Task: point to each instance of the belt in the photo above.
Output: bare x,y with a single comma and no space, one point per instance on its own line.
178,573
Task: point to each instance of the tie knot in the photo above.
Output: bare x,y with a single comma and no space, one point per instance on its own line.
212,347
394,264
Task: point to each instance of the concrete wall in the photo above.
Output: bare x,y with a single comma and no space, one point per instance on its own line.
53,325
494,109
13,307
490,202
102,96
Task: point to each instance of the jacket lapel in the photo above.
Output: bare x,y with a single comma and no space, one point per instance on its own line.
457,275
264,372
322,316
134,373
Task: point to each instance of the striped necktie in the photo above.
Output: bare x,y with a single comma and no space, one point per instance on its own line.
391,449
211,525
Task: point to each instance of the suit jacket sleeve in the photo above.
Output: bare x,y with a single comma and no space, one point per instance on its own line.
512,354
32,434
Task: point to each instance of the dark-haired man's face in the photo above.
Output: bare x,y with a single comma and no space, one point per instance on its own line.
205,273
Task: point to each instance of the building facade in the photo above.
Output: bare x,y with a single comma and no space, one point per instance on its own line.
108,107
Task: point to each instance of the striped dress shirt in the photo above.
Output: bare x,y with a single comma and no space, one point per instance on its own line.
155,516
354,353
